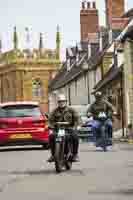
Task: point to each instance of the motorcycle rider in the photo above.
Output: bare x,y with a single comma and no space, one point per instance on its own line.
63,113
101,105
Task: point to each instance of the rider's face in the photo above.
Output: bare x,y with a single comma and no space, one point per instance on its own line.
98,98
62,104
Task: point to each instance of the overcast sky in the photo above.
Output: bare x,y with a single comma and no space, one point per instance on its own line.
43,16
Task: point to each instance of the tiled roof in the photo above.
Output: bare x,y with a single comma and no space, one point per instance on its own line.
95,60
129,13
109,76
64,76
127,32
58,76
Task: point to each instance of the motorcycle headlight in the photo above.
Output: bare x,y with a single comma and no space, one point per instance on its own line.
78,127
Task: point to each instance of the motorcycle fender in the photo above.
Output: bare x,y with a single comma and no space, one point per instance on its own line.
58,139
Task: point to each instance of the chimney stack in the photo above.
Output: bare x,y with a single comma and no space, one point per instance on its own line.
89,21
114,10
88,5
94,5
83,5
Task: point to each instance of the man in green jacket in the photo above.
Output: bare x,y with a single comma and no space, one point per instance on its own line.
63,113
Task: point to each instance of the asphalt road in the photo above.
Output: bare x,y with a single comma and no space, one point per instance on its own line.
98,176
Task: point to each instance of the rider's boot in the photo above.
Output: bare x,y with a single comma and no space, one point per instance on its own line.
75,158
51,159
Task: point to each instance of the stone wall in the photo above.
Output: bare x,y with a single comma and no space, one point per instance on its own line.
128,80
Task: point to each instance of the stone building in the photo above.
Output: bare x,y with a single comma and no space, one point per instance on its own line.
126,38
24,74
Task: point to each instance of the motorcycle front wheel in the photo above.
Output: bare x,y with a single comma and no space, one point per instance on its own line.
58,157
68,161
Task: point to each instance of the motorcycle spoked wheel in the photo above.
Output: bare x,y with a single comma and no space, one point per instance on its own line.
68,161
59,154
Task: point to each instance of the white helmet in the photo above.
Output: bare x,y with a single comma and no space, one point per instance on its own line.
98,94
61,97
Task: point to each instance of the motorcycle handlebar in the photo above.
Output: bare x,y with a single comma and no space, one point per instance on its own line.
62,123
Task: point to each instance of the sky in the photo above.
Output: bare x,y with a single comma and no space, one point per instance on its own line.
44,16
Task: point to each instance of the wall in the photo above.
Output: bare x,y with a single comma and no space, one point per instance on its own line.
128,79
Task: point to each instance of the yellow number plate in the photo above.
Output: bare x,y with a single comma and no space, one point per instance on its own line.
20,136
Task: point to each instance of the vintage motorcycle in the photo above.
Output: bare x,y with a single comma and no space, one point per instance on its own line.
104,141
63,147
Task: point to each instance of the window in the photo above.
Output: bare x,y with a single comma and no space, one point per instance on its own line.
37,88
20,111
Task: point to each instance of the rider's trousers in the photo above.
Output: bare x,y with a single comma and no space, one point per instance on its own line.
74,138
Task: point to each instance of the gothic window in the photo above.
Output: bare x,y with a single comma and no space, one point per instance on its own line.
37,88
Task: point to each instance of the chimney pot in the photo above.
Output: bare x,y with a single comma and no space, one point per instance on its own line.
83,5
88,5
94,5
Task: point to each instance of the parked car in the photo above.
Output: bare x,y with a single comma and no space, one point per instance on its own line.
22,123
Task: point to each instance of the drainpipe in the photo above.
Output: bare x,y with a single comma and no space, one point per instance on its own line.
69,95
122,94
88,90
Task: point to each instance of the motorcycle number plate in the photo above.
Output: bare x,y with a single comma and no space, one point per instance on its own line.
61,132
58,139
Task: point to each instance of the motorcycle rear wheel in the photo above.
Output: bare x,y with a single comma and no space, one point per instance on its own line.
68,160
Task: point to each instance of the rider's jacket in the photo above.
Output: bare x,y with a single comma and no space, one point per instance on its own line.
65,114
100,106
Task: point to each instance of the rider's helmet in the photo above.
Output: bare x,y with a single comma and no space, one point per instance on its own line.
61,99
98,94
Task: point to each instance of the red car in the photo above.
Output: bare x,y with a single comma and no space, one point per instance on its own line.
22,123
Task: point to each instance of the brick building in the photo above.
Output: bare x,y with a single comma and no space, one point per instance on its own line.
89,21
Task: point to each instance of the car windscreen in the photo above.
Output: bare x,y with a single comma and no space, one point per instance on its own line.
20,111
